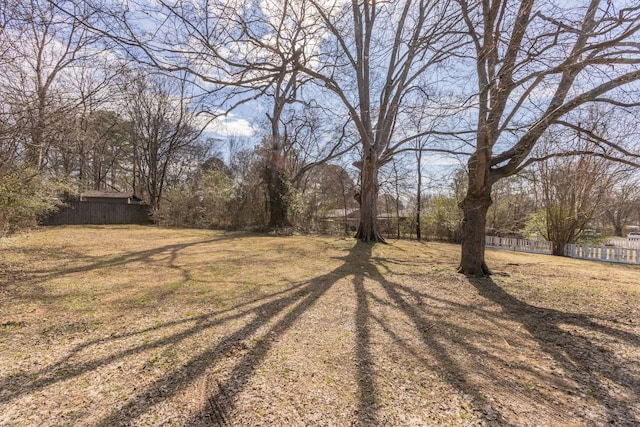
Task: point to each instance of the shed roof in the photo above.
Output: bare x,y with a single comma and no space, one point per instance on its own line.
108,194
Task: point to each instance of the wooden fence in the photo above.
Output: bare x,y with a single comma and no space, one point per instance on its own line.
604,253
519,245
98,213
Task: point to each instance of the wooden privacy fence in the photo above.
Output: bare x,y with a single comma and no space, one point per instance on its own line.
604,253
519,245
98,213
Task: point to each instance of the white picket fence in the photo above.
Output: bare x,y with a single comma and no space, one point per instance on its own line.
627,255
519,245
604,253
628,243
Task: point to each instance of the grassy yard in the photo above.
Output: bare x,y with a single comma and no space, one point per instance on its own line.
108,326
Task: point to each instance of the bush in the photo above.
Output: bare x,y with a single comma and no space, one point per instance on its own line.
443,219
26,195
204,204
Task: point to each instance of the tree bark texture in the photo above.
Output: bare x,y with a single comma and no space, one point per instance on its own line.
475,209
278,190
618,231
419,196
368,230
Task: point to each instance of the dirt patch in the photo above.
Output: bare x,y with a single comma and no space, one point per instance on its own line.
104,326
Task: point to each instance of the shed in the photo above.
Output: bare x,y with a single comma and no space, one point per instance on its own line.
101,207
124,198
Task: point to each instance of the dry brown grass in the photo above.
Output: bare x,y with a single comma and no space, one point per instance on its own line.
107,326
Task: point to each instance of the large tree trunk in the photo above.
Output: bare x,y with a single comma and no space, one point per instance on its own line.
473,235
419,197
368,229
618,231
560,236
279,191
558,248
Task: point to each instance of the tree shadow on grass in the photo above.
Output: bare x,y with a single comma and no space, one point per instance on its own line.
586,361
434,331
49,375
460,350
278,315
30,285
89,264
252,329
365,376
264,321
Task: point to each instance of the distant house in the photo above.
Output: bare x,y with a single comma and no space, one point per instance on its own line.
350,218
101,207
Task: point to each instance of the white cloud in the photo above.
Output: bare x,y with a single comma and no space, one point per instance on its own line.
231,125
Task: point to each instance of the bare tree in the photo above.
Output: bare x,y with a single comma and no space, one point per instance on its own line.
574,189
514,200
104,151
234,54
282,50
162,127
534,64
622,201
375,61
278,184
300,141
7,14
40,52
45,45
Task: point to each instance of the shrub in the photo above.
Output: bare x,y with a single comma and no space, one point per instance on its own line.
26,195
